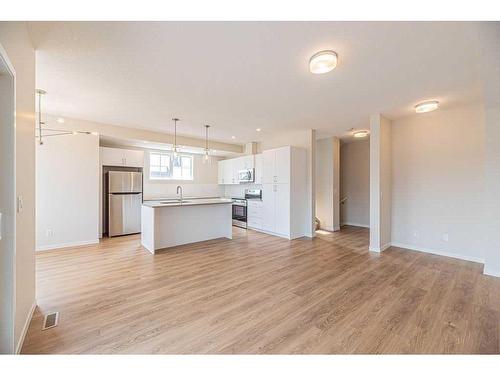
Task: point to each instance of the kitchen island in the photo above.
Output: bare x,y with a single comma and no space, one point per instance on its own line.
174,222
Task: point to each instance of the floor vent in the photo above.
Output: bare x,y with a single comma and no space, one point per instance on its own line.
50,320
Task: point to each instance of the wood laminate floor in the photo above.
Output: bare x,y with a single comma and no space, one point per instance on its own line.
263,294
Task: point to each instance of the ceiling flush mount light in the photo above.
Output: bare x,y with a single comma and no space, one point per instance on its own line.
60,120
323,62
233,137
360,133
258,129
427,106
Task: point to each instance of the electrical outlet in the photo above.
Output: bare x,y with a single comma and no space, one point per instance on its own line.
445,237
50,233
415,233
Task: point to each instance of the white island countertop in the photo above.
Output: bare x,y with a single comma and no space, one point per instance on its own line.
185,202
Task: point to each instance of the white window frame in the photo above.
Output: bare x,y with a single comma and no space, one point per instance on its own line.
170,178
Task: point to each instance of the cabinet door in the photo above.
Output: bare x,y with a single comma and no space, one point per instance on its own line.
258,169
220,172
282,209
248,162
268,207
134,158
268,166
112,156
229,172
282,165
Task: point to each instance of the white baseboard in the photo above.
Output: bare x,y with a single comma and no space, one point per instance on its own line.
68,244
379,249
25,328
356,225
491,271
438,252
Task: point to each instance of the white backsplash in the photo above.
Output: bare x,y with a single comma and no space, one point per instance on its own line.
238,191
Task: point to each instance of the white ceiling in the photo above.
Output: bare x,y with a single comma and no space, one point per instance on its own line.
239,76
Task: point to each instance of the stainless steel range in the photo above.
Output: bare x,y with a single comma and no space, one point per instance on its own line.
240,207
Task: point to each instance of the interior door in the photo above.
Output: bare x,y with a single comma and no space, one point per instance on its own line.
282,209
268,166
268,207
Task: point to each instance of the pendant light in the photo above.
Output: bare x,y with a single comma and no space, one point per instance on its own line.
175,150
206,158
177,159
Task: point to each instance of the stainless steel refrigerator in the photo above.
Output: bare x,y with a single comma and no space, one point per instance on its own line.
124,202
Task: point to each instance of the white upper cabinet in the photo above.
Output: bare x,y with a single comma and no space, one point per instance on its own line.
228,169
258,169
276,166
121,157
220,172
282,165
268,166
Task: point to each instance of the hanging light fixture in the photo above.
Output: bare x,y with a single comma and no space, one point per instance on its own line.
206,158
52,132
175,149
177,159
40,93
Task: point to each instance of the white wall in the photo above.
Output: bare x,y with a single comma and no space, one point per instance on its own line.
490,70
355,183
438,182
204,183
327,183
67,191
16,42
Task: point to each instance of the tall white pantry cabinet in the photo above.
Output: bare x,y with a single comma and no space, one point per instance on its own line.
284,192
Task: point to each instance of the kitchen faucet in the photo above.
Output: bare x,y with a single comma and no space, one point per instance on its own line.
179,188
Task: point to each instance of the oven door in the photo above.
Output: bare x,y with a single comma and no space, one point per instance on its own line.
239,215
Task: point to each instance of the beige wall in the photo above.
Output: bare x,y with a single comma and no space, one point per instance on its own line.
15,40
355,183
438,182
380,182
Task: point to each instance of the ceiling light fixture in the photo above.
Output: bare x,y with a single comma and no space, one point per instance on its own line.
175,148
258,129
60,120
360,133
323,62
428,106
206,158
233,137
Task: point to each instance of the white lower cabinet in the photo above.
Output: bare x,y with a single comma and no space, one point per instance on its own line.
276,209
254,214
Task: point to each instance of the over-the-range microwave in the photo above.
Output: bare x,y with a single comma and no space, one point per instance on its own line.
246,176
